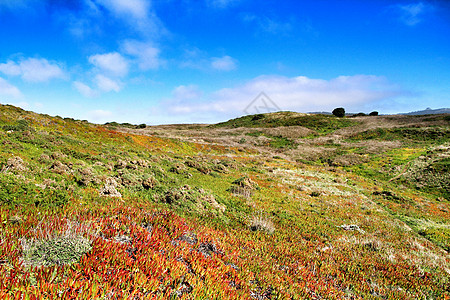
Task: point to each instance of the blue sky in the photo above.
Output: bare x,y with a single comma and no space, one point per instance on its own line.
196,61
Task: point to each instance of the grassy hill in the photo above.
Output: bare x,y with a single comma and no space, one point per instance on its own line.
275,206
319,123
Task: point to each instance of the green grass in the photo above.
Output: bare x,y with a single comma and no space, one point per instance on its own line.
279,142
322,124
436,135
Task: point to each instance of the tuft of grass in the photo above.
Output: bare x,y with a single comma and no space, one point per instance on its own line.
261,222
58,250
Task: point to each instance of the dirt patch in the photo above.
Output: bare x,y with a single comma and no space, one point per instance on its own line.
290,132
149,183
60,168
205,197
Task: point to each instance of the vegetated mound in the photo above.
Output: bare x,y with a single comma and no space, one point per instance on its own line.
423,134
429,172
318,123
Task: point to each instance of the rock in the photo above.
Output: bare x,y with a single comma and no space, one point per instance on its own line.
109,189
352,227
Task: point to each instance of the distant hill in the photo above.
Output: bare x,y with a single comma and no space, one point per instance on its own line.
428,111
318,122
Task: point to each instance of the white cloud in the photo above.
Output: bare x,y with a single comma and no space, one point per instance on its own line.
411,14
112,63
147,56
100,115
9,90
297,93
33,69
129,8
225,63
84,89
106,84
10,68
137,13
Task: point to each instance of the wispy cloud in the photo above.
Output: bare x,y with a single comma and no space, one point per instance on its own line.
107,84
225,63
412,14
294,93
197,59
101,83
84,89
137,9
270,25
146,55
137,13
221,3
112,63
33,69
9,90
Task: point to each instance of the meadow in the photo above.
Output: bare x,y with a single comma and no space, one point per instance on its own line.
272,206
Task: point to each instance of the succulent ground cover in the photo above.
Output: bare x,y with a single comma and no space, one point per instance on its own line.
188,212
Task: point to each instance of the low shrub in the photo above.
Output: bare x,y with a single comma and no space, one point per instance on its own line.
57,250
339,112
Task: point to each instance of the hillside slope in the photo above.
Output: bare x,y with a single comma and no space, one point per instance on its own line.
196,212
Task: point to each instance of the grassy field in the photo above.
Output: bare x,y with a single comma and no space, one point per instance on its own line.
274,206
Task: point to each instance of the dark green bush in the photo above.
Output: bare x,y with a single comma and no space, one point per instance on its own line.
339,112
258,117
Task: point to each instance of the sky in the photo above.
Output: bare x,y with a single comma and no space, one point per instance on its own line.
206,61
